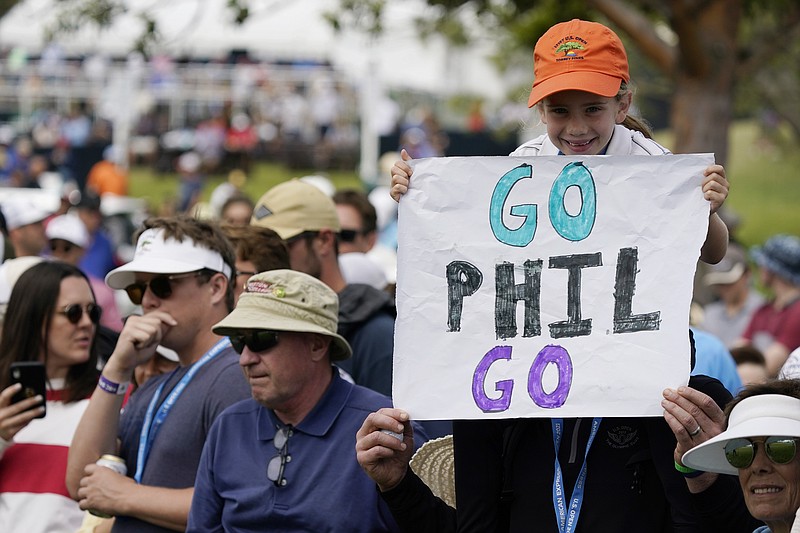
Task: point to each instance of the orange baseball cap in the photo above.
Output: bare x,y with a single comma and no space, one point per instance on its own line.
578,55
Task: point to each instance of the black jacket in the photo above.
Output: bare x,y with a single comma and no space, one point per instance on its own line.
504,480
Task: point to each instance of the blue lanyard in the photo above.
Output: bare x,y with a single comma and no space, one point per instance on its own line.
153,423
568,519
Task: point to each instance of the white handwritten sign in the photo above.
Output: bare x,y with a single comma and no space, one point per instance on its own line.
546,286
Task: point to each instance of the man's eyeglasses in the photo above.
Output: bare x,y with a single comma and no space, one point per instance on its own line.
257,341
277,464
74,312
741,452
160,286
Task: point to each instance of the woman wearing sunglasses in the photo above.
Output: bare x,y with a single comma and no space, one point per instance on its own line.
759,445
51,318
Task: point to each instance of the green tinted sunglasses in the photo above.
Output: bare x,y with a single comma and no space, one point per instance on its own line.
741,452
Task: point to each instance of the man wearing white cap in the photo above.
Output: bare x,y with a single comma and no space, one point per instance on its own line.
25,225
181,276
285,459
68,238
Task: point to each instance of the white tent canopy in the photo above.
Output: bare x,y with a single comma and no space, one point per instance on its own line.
286,30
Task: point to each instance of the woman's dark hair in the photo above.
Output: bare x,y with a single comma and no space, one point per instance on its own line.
748,354
27,325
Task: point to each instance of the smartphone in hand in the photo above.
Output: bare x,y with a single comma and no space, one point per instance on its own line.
31,374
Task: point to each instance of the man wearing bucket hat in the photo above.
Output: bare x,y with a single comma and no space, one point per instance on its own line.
760,446
775,326
181,276
307,220
294,466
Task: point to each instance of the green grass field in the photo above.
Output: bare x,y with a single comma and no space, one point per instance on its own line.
765,184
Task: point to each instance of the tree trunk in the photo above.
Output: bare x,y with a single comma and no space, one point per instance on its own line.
702,106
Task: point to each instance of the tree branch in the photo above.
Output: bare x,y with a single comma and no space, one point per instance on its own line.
641,30
684,23
761,49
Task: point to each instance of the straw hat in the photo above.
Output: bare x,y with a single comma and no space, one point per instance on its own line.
434,465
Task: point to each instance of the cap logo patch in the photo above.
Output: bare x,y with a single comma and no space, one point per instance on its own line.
570,46
144,246
264,287
262,212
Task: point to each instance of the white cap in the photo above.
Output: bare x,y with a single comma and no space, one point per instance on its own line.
189,162
68,228
21,211
322,183
765,415
156,255
11,270
359,268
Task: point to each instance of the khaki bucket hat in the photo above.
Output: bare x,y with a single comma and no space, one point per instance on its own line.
287,300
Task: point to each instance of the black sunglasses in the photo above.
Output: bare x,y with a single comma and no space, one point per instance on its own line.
277,464
59,246
74,312
160,286
350,235
741,452
257,341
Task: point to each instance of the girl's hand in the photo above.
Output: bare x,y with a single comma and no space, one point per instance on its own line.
384,446
401,174
715,186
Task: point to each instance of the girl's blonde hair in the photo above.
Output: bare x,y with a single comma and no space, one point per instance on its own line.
633,122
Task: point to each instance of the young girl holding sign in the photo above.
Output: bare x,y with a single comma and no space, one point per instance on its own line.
538,474
582,92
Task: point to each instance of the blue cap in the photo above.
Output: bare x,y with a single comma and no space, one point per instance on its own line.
780,255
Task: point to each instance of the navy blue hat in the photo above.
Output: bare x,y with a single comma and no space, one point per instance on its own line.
781,255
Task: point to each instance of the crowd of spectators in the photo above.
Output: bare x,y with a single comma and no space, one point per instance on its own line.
228,111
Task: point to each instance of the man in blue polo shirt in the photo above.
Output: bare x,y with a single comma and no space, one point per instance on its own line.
285,459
